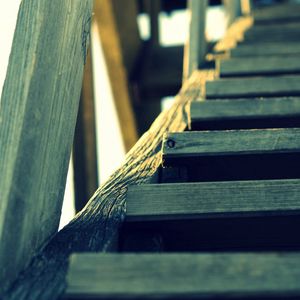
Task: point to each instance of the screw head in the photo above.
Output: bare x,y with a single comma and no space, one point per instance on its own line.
171,143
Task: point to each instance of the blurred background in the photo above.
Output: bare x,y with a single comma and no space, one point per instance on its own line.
132,73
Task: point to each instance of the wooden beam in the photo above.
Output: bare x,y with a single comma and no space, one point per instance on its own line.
184,276
259,66
153,8
185,201
233,10
106,21
38,113
196,46
245,113
271,86
85,142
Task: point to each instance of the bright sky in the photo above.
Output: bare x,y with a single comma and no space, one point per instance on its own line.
8,17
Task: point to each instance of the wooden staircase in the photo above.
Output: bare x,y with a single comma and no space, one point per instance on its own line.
225,210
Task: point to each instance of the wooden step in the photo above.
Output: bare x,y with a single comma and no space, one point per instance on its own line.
275,27
213,216
245,113
267,36
234,154
184,276
255,66
281,13
265,49
271,86
156,202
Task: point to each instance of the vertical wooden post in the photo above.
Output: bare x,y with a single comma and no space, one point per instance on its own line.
84,147
196,47
153,8
38,112
233,9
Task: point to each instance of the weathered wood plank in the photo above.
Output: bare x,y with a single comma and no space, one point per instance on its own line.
263,32
274,27
231,142
234,154
265,49
245,113
287,12
256,66
188,276
38,113
158,202
271,86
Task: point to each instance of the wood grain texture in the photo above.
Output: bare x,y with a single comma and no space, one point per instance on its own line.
265,49
257,66
39,105
188,276
95,228
246,113
271,86
231,142
212,200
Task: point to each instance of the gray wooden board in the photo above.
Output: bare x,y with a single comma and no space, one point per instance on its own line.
285,12
251,66
269,35
163,276
213,110
39,105
289,26
270,86
265,49
212,200
231,142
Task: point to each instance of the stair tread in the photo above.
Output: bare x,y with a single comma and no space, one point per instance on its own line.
265,49
245,108
231,142
259,66
126,276
213,200
271,86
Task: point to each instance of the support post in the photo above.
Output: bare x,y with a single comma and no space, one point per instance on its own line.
196,47
233,10
38,112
